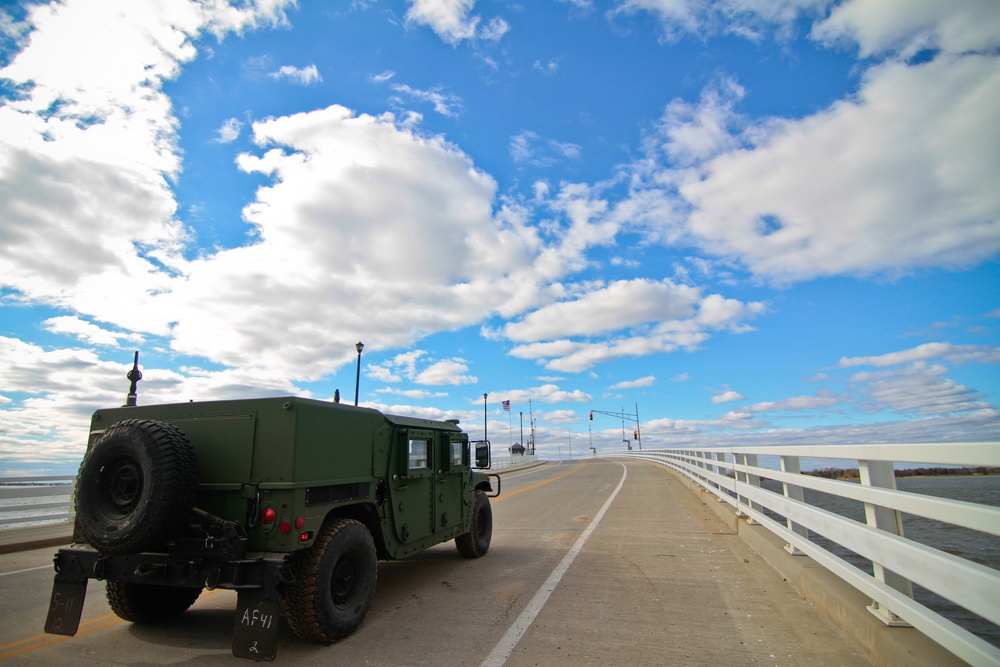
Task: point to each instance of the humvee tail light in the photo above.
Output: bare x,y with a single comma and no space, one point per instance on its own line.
285,527
306,536
267,518
299,522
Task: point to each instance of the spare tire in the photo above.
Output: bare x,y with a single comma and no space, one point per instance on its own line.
136,487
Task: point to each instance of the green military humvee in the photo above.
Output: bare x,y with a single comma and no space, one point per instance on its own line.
288,501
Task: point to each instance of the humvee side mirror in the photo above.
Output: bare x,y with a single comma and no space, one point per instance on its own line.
483,454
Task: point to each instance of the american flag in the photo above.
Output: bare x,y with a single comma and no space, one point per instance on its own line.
506,405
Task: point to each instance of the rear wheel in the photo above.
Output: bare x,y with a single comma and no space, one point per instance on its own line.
334,582
145,603
476,542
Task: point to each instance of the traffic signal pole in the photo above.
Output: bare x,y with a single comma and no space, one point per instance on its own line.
636,434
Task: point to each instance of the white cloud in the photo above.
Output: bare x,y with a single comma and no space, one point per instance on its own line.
446,372
88,332
300,76
921,389
412,393
727,396
908,26
446,104
530,148
450,19
93,143
229,131
619,305
863,187
749,18
633,384
654,316
823,399
494,30
948,351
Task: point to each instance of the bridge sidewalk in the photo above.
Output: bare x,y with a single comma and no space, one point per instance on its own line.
842,605
665,581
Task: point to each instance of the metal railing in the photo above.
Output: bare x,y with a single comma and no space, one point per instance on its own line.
30,500
895,563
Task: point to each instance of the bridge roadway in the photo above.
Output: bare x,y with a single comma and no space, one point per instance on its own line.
657,579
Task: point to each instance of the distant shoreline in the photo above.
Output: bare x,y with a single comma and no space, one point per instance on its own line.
853,473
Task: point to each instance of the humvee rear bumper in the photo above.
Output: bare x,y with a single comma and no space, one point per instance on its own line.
186,565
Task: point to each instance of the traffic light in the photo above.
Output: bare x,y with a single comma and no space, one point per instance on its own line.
591,415
635,435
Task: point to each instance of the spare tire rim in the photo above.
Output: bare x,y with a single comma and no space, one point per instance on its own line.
121,484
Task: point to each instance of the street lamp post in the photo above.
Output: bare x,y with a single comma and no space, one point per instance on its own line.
485,417
357,379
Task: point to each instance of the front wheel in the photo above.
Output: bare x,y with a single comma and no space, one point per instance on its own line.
334,582
476,542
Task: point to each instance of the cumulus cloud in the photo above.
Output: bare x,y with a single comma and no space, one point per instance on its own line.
907,27
862,187
449,371
631,317
859,188
453,20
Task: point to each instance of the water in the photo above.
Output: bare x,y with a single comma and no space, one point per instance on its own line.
969,544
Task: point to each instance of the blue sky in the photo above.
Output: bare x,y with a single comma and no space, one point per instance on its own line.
757,222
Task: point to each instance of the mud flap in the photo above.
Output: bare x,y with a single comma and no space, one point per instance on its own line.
69,590
255,631
65,608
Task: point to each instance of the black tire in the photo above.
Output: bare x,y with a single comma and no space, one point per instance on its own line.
136,487
145,603
334,582
476,542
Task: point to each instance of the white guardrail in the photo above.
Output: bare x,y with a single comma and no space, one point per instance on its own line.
31,500
512,461
734,475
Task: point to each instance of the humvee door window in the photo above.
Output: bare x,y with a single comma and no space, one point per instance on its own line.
456,452
419,451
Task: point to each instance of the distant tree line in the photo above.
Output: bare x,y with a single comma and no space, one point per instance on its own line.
852,473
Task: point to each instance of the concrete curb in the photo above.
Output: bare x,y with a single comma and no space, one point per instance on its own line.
13,540
840,603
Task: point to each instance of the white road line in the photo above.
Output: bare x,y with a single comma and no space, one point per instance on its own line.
30,569
498,656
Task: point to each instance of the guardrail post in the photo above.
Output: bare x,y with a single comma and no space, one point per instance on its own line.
721,470
794,492
881,474
749,460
